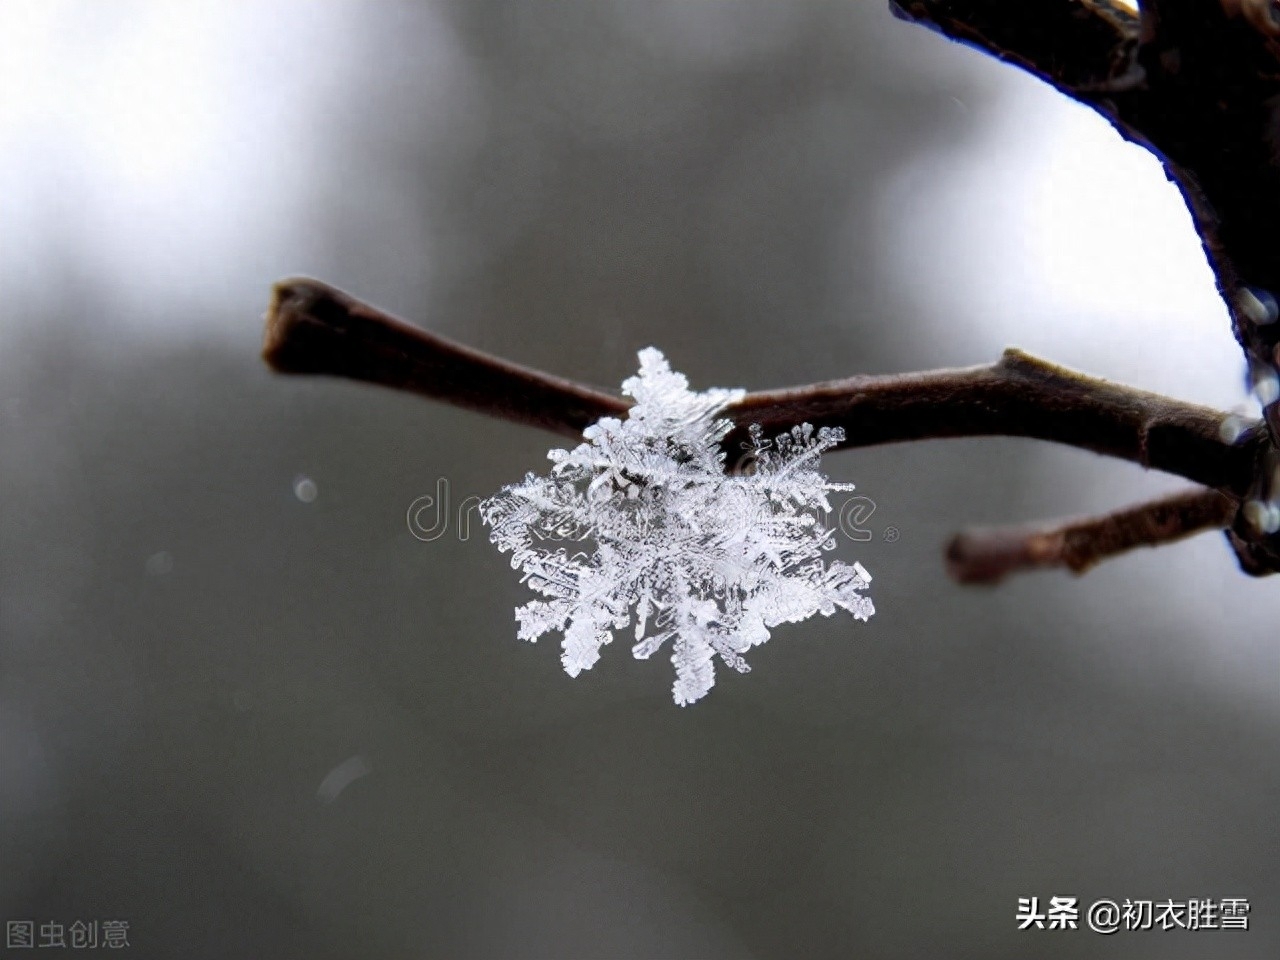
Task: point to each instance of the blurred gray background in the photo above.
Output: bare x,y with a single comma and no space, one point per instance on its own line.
213,615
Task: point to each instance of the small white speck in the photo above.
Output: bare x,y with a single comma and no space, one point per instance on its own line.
159,563
305,489
342,776
1257,305
1231,428
1256,512
1266,387
1271,522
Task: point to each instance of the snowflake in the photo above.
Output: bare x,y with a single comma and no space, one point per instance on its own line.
708,559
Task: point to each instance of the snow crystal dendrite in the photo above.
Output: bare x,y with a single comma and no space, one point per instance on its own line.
708,560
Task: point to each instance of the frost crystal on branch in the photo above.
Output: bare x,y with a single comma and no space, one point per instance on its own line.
691,554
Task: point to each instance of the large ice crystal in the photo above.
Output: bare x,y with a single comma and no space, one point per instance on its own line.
705,558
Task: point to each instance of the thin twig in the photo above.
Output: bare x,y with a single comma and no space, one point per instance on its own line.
988,555
314,328
1018,396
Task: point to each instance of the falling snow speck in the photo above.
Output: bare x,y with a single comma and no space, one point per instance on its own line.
305,489
1263,516
685,553
1258,305
342,776
159,563
1231,428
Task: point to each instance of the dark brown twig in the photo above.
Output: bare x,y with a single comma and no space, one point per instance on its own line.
1017,396
988,555
313,328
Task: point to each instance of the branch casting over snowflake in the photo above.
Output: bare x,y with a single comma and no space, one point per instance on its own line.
709,559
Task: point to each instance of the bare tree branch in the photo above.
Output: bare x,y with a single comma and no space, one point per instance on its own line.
1019,396
312,327
988,555
315,329
1070,44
